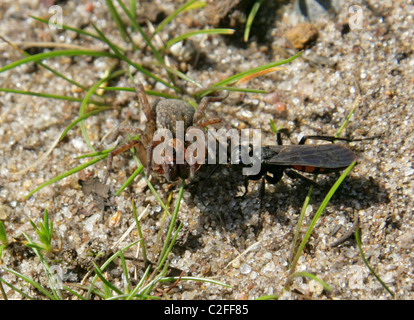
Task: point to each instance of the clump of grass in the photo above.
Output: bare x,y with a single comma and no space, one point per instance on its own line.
154,275
45,233
4,242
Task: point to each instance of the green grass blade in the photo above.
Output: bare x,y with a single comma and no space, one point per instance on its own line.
86,101
49,274
148,92
79,119
173,279
135,65
51,96
165,249
236,77
130,179
2,247
227,88
273,126
348,117
74,293
250,19
306,203
149,184
147,289
33,283
268,297
125,274
3,235
3,293
139,285
34,227
310,276
118,21
47,231
141,31
170,246
359,243
78,31
15,288
57,53
186,6
45,226
146,38
64,175
299,224
96,154
154,192
133,8
106,263
141,296
55,72
317,216
35,246
106,283
179,74
140,235
197,32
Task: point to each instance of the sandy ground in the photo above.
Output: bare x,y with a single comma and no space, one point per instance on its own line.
373,54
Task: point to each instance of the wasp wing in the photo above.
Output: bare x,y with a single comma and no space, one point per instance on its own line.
328,156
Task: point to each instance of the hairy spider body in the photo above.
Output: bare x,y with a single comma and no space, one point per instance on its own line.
165,114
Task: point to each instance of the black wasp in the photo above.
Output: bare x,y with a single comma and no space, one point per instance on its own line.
292,159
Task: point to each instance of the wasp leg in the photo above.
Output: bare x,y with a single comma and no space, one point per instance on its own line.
332,138
296,175
248,178
279,135
125,128
275,178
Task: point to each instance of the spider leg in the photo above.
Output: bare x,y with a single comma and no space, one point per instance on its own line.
122,148
149,114
207,121
150,149
120,129
203,105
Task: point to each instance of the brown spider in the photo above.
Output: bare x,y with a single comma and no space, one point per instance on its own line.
164,115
